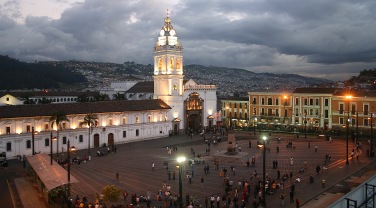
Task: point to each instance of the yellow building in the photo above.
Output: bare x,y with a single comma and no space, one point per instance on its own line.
236,110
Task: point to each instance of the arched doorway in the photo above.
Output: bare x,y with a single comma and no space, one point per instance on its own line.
110,140
96,140
193,107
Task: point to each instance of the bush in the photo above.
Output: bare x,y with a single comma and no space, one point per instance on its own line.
111,193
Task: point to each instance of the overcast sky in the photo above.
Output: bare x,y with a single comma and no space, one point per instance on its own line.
333,39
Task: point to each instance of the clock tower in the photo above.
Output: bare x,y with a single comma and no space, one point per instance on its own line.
168,72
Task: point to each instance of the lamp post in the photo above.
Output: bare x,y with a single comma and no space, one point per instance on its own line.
348,97
263,173
69,149
371,152
51,147
254,126
180,160
32,140
284,108
305,125
357,127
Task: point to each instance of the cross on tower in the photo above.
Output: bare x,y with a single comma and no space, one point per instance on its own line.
167,13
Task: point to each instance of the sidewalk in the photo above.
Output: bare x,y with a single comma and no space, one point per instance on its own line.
28,194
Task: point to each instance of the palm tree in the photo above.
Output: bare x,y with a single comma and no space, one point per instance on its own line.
119,96
89,120
57,118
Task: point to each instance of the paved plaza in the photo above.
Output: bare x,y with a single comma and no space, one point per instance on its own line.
133,162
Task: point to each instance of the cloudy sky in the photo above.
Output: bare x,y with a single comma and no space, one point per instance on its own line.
333,39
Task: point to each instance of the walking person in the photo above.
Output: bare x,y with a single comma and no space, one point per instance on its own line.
291,197
202,182
282,197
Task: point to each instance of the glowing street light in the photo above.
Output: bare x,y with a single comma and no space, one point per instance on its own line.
348,98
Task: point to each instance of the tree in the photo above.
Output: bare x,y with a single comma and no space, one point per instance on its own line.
58,118
102,97
111,193
119,96
89,120
83,98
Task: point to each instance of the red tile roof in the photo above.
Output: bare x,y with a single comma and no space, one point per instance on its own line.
15,111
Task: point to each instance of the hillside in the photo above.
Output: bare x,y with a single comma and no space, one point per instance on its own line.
83,75
20,75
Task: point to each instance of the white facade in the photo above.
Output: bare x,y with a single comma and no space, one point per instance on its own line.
10,100
111,128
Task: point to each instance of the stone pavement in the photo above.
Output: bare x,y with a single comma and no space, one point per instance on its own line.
133,163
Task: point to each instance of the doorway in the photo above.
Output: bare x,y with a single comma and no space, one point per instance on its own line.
110,139
96,140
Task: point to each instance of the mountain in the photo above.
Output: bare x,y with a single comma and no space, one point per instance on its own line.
15,74
84,75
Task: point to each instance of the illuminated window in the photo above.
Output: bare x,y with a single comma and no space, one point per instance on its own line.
149,118
124,120
7,129
110,122
341,120
63,125
137,119
159,63
46,127
28,128
175,87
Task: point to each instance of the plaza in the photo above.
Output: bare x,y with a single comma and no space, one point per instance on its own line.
133,162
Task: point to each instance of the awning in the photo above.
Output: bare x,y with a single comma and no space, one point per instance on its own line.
176,120
211,117
52,176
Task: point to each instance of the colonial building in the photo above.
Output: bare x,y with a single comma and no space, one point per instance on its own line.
118,122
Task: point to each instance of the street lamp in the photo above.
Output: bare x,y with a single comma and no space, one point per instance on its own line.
51,139
371,152
348,97
254,126
32,140
69,149
263,173
180,160
305,125
284,109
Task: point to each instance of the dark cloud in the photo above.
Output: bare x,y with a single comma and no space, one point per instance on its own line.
336,38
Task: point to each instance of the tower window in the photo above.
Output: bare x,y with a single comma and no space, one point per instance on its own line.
175,87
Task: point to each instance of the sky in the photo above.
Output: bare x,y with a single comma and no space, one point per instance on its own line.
331,39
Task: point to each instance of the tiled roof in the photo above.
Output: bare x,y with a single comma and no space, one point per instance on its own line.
314,90
47,94
234,98
142,87
356,93
15,111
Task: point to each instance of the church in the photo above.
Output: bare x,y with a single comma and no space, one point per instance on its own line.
154,109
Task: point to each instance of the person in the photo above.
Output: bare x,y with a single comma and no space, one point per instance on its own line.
125,195
316,148
323,183
152,166
282,197
318,169
117,176
297,180
173,175
202,182
291,196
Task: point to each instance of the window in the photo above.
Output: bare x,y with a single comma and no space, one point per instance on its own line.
96,123
235,105
224,113
81,138
124,134
28,128
311,101
262,101
28,144
353,121
175,87
46,127
296,101
63,125
254,111
245,115
276,112
341,108
326,102
110,122
316,101
326,113
64,140
296,112
240,105
149,118
254,101
270,101
353,108
317,112
365,122
46,142
365,109
137,119
7,130
311,112
7,98
137,132
235,115
276,101
341,120
161,116
305,101
9,147
262,111
240,115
